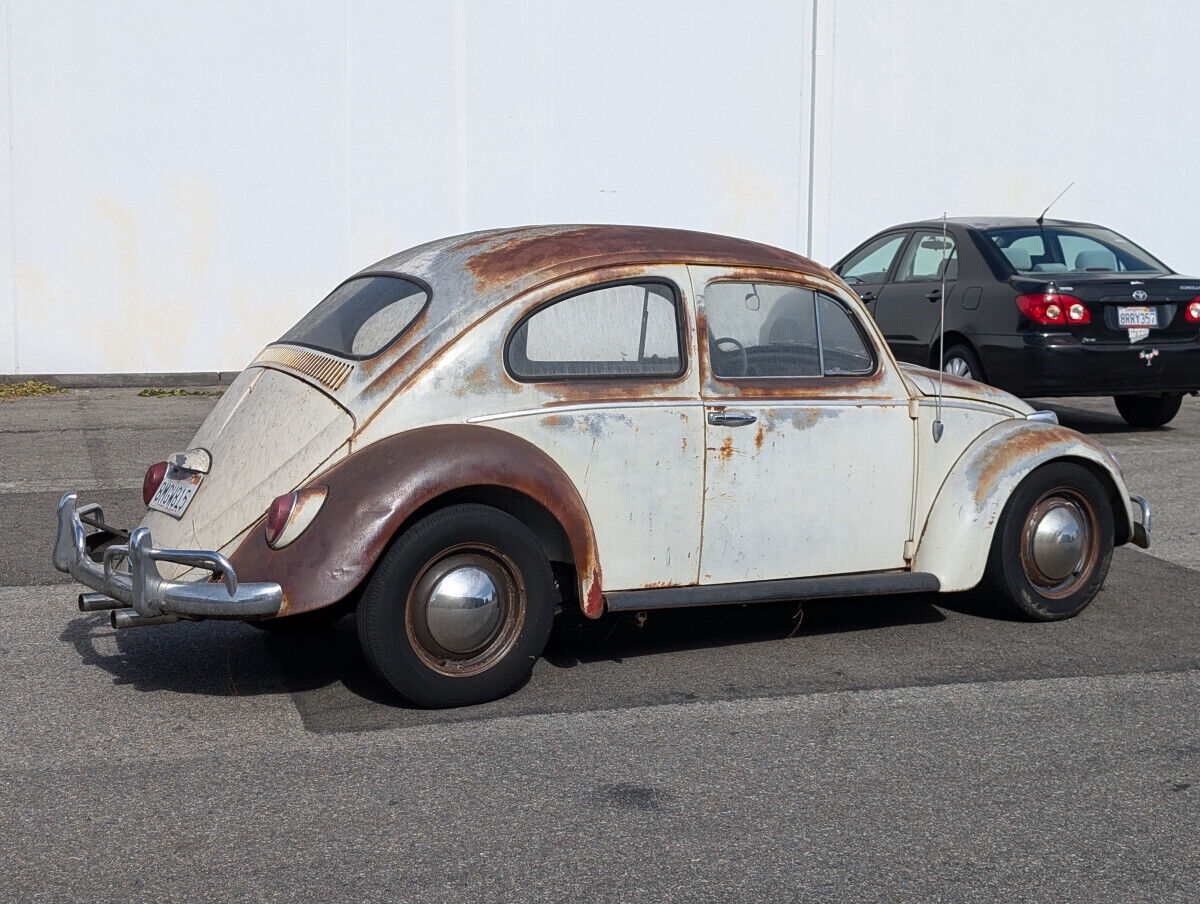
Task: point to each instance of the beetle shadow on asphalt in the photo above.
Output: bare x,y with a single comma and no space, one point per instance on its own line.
219,658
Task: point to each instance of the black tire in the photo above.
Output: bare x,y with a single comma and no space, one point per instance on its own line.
1148,410
1013,571
401,641
306,622
966,355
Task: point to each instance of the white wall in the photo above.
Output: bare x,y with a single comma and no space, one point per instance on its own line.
993,108
183,181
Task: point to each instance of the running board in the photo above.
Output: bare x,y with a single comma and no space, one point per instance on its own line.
874,584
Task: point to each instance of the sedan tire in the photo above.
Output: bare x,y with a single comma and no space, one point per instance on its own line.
1053,543
459,608
1148,410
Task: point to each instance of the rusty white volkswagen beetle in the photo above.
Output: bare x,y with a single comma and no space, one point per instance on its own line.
469,434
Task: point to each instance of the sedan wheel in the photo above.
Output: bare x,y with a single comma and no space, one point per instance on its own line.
459,608
960,361
1053,543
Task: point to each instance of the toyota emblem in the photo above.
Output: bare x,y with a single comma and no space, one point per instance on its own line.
1139,295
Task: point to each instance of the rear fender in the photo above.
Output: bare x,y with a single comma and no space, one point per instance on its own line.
958,533
373,491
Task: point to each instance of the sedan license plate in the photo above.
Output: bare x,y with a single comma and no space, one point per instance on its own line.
176,491
1137,315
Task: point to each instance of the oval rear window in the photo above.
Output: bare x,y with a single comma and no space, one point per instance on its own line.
361,317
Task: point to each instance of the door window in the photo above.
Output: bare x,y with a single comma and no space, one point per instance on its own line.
769,330
870,265
628,329
925,257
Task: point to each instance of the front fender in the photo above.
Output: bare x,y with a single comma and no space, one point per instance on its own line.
374,490
958,532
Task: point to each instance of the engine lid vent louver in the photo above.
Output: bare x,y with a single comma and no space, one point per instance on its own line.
326,370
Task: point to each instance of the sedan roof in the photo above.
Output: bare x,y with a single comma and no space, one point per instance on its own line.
985,223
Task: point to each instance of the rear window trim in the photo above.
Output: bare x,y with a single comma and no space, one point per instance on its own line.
390,274
680,330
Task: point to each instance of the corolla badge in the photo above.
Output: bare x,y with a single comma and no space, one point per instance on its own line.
1148,356
1139,295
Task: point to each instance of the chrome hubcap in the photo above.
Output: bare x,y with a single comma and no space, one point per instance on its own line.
1059,541
464,609
958,367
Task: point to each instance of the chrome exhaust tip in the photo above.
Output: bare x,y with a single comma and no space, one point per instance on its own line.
98,602
128,618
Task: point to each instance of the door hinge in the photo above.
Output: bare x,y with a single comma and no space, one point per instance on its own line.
914,409
910,550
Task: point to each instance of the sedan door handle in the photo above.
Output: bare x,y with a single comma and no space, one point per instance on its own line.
934,295
730,418
867,297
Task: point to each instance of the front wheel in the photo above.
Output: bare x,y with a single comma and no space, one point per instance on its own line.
1053,543
1148,410
459,609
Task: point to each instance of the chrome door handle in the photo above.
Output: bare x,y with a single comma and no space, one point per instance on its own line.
730,418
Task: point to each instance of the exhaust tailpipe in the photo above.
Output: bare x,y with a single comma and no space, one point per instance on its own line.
128,618
98,602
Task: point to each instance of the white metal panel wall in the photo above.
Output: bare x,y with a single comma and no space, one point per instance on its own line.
985,108
183,180
188,179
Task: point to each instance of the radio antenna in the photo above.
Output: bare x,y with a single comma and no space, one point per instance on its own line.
1055,201
938,426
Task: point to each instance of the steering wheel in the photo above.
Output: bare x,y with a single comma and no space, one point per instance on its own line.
741,349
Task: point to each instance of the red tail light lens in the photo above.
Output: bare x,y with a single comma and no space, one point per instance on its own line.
1192,313
155,475
1052,308
278,515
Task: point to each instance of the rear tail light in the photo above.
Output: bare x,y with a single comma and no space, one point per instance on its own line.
1192,312
291,513
1053,308
155,475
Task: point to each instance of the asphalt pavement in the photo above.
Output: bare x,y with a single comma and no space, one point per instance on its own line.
909,748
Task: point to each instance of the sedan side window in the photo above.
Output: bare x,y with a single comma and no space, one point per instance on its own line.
925,256
870,266
628,329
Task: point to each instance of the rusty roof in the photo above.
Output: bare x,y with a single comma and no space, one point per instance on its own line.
501,258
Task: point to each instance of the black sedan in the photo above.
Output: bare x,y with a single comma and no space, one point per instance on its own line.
1038,308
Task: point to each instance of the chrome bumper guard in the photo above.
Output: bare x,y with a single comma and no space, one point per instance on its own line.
1141,530
152,599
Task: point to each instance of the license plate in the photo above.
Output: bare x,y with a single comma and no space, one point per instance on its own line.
1137,315
176,491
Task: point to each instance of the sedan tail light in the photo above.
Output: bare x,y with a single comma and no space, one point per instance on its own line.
155,475
1192,313
291,513
1053,308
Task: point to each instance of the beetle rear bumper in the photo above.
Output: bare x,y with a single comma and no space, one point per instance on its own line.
1141,529
139,594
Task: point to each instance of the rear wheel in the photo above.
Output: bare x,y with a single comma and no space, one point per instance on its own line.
459,609
1053,543
1148,410
962,362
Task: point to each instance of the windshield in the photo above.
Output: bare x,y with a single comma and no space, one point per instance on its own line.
1072,249
361,317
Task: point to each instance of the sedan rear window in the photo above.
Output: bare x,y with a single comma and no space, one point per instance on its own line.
361,317
1075,249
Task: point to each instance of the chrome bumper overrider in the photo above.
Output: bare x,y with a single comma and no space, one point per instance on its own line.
1141,531
139,595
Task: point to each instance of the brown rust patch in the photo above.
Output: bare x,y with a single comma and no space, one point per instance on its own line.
1006,454
478,380
726,449
758,437
505,257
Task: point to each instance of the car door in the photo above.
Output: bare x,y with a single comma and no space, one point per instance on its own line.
908,306
809,444
866,269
